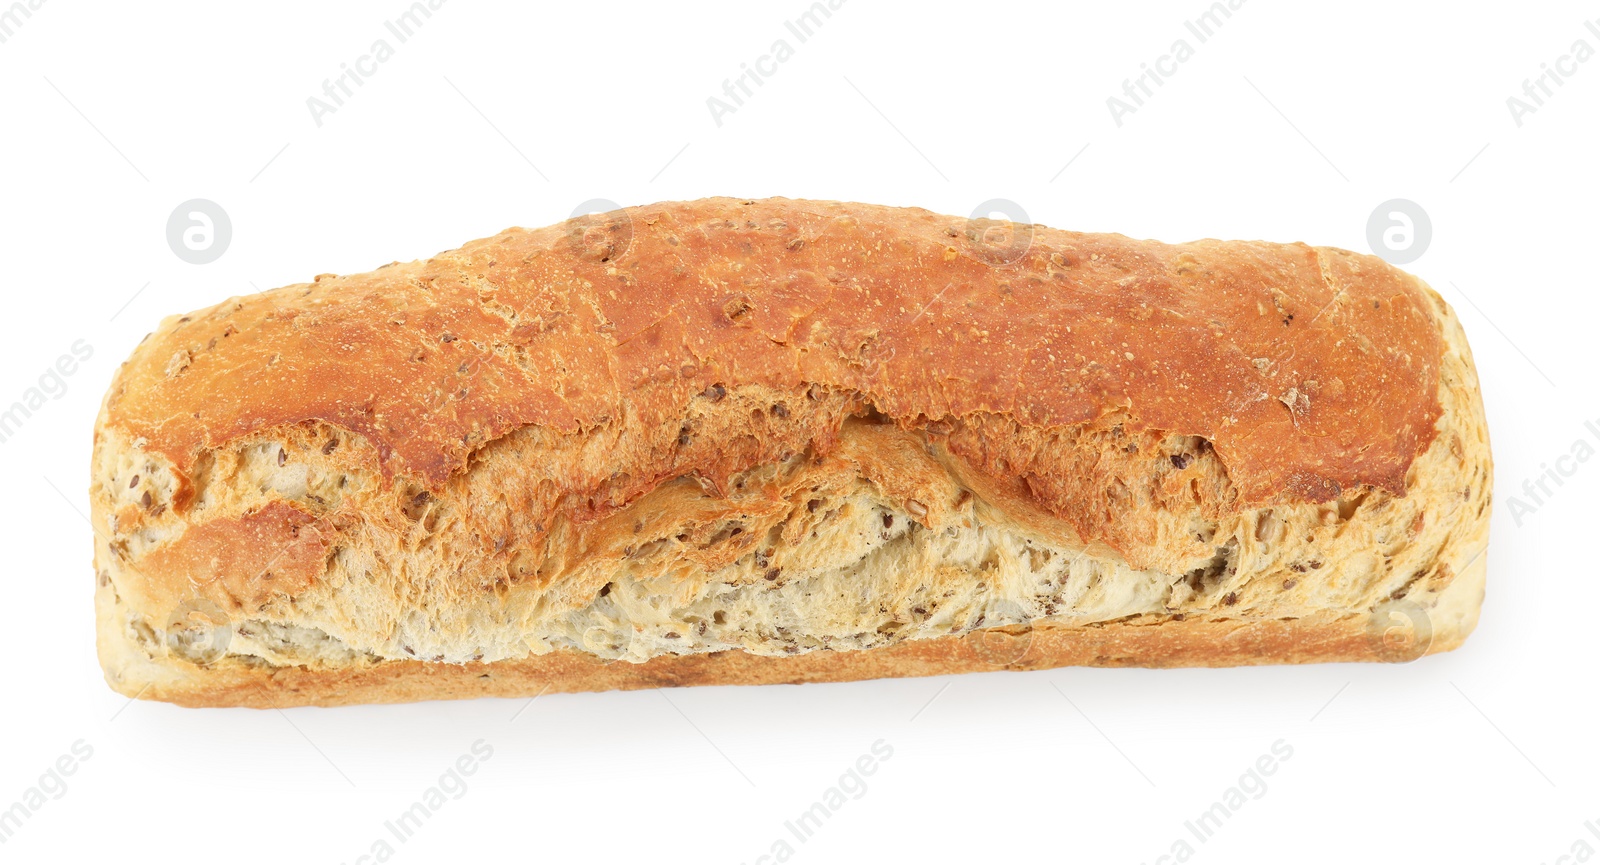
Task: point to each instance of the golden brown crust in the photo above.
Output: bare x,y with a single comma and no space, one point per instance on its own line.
241,561
1309,370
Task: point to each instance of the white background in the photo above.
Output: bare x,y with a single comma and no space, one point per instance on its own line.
1292,123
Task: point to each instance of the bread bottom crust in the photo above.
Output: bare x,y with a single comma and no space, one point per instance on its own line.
1402,633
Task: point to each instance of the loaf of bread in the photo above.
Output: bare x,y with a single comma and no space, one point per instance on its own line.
736,442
